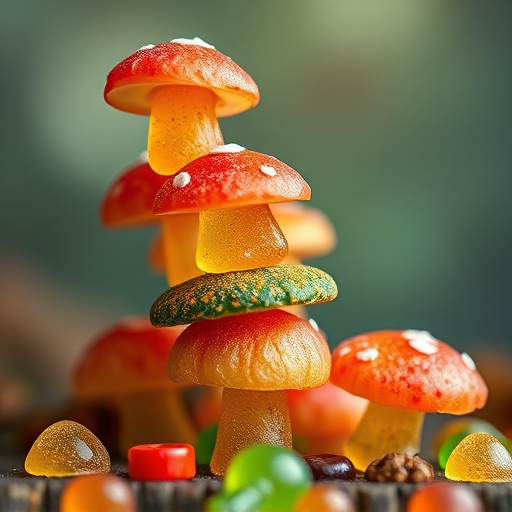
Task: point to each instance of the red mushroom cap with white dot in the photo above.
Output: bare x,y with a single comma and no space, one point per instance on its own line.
409,370
179,62
230,176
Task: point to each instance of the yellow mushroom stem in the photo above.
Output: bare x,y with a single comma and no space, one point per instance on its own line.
239,239
154,416
179,234
384,430
248,418
182,126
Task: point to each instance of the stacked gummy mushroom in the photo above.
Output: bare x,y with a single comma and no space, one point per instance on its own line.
236,336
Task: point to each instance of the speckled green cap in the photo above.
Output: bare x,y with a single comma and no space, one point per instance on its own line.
213,296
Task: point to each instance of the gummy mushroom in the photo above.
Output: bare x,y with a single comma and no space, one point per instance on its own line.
232,188
128,202
255,358
323,418
307,230
128,364
184,86
403,374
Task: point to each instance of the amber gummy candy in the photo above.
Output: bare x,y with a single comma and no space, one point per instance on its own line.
67,448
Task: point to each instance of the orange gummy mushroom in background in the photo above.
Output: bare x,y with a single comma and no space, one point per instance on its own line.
403,374
128,364
128,202
323,418
184,86
232,188
255,357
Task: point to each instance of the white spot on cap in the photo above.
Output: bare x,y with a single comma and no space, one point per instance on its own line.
468,361
83,451
143,157
247,254
197,41
344,351
370,354
422,341
314,324
147,47
227,148
269,171
181,180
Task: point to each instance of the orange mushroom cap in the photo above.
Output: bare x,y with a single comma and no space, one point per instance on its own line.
409,370
267,351
129,199
130,356
230,178
307,230
179,62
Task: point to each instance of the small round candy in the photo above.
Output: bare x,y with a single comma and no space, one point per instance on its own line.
331,467
324,498
168,461
263,477
444,497
105,493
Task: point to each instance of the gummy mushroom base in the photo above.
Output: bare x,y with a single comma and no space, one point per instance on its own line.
384,430
248,418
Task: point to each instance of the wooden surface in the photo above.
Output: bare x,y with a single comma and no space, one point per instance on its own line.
20,492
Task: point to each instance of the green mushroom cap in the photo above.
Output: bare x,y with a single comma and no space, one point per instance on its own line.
213,296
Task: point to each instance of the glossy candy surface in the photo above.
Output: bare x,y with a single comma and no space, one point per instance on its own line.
67,448
98,493
444,497
324,498
479,457
168,461
331,467
471,427
263,478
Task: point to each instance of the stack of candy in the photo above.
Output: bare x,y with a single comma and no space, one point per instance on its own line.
233,318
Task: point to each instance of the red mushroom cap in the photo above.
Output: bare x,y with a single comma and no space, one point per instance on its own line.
194,63
408,370
130,356
230,179
129,199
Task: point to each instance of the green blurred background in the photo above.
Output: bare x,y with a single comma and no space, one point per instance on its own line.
397,113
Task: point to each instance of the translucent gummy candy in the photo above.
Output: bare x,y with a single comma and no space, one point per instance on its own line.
239,239
105,493
263,478
444,497
325,498
67,448
479,457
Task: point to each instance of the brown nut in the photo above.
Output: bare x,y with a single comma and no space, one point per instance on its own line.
399,467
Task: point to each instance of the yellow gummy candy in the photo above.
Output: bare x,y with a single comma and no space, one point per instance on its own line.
479,457
67,448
